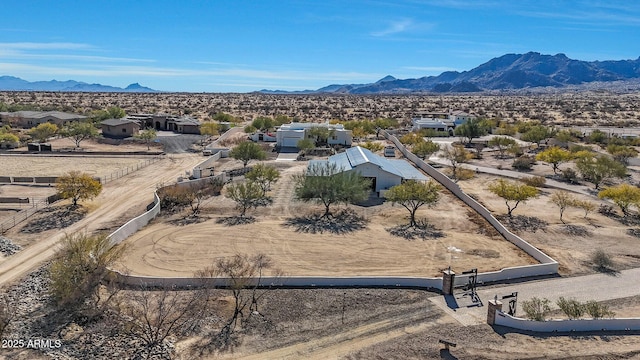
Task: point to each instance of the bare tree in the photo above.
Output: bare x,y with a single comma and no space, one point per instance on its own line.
153,315
7,314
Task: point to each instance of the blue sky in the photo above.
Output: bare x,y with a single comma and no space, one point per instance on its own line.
242,46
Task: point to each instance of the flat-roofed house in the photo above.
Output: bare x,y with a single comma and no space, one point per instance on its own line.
384,173
288,135
119,128
29,119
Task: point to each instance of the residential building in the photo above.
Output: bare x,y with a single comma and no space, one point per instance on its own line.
119,128
30,119
288,135
384,173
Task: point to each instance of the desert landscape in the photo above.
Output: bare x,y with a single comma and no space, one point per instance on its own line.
320,323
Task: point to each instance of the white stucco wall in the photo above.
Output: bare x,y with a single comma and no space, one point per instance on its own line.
384,180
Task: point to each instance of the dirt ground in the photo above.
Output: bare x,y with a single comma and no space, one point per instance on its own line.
164,249
571,250
28,165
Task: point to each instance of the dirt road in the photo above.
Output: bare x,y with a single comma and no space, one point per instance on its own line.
116,198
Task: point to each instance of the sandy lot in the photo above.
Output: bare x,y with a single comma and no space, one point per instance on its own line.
163,249
28,165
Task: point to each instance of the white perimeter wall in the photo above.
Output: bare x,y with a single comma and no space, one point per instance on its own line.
504,319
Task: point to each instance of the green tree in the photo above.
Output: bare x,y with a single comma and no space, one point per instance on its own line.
536,308
264,176
327,184
411,139
320,134
624,195
305,145
596,169
502,143
115,112
554,156
412,195
78,186
263,123
456,155
473,128
566,136
8,138
513,193
372,146
79,131
247,195
598,137
562,199
43,131
424,149
80,265
537,134
247,151
622,153
147,135
209,129
222,117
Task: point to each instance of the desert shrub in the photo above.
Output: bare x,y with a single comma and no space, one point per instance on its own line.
536,308
535,181
571,307
174,198
575,148
597,310
569,175
523,163
602,260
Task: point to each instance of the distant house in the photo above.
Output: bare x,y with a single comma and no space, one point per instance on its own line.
119,128
166,122
445,122
29,119
384,173
288,135
263,136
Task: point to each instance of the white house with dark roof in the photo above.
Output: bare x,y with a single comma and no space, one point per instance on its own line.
384,173
288,135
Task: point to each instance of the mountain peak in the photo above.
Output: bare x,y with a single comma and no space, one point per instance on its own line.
386,78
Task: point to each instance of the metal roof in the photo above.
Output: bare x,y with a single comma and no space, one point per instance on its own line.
357,155
116,122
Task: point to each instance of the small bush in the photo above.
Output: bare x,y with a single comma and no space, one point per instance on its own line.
597,310
571,307
535,181
602,261
569,175
523,163
536,308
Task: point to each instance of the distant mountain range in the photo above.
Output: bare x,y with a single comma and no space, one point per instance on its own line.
11,83
507,72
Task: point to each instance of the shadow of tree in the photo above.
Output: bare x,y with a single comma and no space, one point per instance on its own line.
423,231
54,218
188,220
343,222
236,220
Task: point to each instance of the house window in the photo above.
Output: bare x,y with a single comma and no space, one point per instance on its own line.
334,137
124,130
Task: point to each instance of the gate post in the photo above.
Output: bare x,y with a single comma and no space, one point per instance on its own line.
448,277
494,305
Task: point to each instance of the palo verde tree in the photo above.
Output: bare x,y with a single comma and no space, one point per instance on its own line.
80,265
327,184
563,199
209,129
502,143
412,195
538,133
456,155
263,176
554,156
320,134
78,186
43,131
471,129
513,193
247,151
148,135
596,169
624,195
424,149
247,195
79,131
622,153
